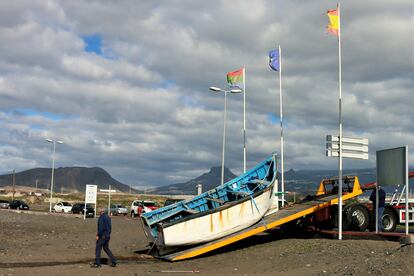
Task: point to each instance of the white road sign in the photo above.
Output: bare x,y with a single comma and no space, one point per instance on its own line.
348,147
357,155
90,194
107,191
347,140
352,147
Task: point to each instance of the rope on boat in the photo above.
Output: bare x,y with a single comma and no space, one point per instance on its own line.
255,205
143,229
152,246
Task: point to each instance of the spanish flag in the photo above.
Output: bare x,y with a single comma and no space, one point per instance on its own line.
333,27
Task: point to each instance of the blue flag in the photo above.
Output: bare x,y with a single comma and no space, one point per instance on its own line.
274,60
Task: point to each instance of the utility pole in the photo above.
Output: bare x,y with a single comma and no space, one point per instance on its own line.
14,182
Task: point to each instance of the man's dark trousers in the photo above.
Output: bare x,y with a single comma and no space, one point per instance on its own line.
103,242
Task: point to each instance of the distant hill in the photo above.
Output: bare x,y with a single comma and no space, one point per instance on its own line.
307,181
74,179
300,181
208,180
67,179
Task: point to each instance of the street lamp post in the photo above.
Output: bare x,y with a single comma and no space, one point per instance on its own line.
53,170
234,91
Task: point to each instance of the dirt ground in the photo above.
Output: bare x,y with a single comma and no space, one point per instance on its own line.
41,244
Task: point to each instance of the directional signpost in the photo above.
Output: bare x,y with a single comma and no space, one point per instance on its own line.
348,147
351,147
90,197
109,191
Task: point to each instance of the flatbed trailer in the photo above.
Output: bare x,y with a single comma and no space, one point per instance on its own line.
316,204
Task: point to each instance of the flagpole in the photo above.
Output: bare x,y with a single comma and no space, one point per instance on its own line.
281,127
244,119
340,125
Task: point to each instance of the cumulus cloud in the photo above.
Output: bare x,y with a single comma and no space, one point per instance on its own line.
142,110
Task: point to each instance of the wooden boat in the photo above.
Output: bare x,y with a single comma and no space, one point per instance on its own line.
228,208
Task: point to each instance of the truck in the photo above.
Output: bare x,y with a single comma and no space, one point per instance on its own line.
358,215
315,211
141,206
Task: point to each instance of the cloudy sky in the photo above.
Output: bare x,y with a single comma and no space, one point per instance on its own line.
125,83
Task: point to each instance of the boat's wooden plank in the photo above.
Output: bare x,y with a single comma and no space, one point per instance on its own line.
215,200
190,211
240,193
259,181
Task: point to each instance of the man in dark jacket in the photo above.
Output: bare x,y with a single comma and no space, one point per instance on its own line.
381,205
102,239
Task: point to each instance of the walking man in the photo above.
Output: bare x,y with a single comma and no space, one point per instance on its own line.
102,239
381,205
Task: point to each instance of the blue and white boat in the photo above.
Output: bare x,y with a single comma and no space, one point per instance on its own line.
219,212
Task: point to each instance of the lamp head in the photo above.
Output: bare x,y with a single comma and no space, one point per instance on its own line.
215,89
236,91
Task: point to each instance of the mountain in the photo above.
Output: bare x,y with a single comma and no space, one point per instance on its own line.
209,181
74,179
300,181
307,181
67,179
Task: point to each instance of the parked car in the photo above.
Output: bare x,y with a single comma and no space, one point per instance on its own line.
79,208
18,204
63,207
170,201
118,209
4,204
141,206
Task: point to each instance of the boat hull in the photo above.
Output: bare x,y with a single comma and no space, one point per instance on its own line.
215,225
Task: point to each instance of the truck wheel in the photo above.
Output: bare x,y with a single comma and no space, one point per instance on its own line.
389,220
358,216
133,214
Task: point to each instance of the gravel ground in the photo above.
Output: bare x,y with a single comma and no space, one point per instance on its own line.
39,244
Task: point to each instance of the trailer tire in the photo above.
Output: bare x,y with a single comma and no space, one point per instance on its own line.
358,216
389,220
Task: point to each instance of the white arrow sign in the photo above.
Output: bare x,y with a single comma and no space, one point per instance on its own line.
107,191
357,155
347,147
346,140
